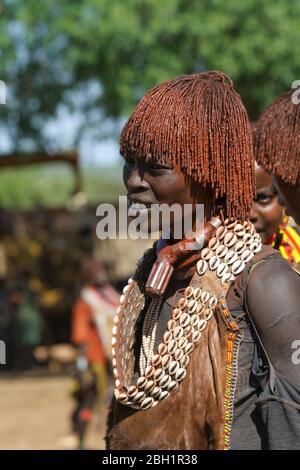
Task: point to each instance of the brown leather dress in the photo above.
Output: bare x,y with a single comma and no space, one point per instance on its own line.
194,416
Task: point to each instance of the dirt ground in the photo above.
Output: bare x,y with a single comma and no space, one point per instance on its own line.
35,411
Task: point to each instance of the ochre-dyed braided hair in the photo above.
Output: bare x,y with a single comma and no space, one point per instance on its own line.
277,139
199,123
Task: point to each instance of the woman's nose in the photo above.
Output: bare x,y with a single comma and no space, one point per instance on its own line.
136,181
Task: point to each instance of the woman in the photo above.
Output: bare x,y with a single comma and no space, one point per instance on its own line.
270,222
202,340
277,148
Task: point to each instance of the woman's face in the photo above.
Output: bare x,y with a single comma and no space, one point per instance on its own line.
266,213
149,183
291,195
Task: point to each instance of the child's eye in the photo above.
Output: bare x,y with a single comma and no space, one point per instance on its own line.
264,198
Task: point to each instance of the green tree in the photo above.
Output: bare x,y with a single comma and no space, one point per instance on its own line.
99,56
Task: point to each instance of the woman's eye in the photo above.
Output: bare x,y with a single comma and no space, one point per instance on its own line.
153,166
129,161
264,198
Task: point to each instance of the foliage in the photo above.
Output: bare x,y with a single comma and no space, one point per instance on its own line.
99,56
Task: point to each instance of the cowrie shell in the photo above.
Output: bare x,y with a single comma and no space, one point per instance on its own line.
117,383
116,319
141,382
196,336
254,245
139,397
172,385
206,253
202,267
162,349
238,267
156,360
246,256
132,391
231,257
122,397
214,262
239,230
178,332
197,293
257,249
167,337
201,325
126,289
122,298
248,239
176,313
149,371
213,302
213,243
221,232
240,247
114,330
164,394
172,346
205,296
147,403
156,391
208,314
230,239
231,224
188,330
194,320
115,373
200,308
158,374
173,367
178,354
192,305
184,361
188,292
222,269
189,348
180,374
113,352
114,341
182,303
165,361
184,320
114,362
171,324
182,342
221,251
228,277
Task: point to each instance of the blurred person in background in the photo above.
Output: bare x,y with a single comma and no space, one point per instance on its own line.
270,220
277,147
92,319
